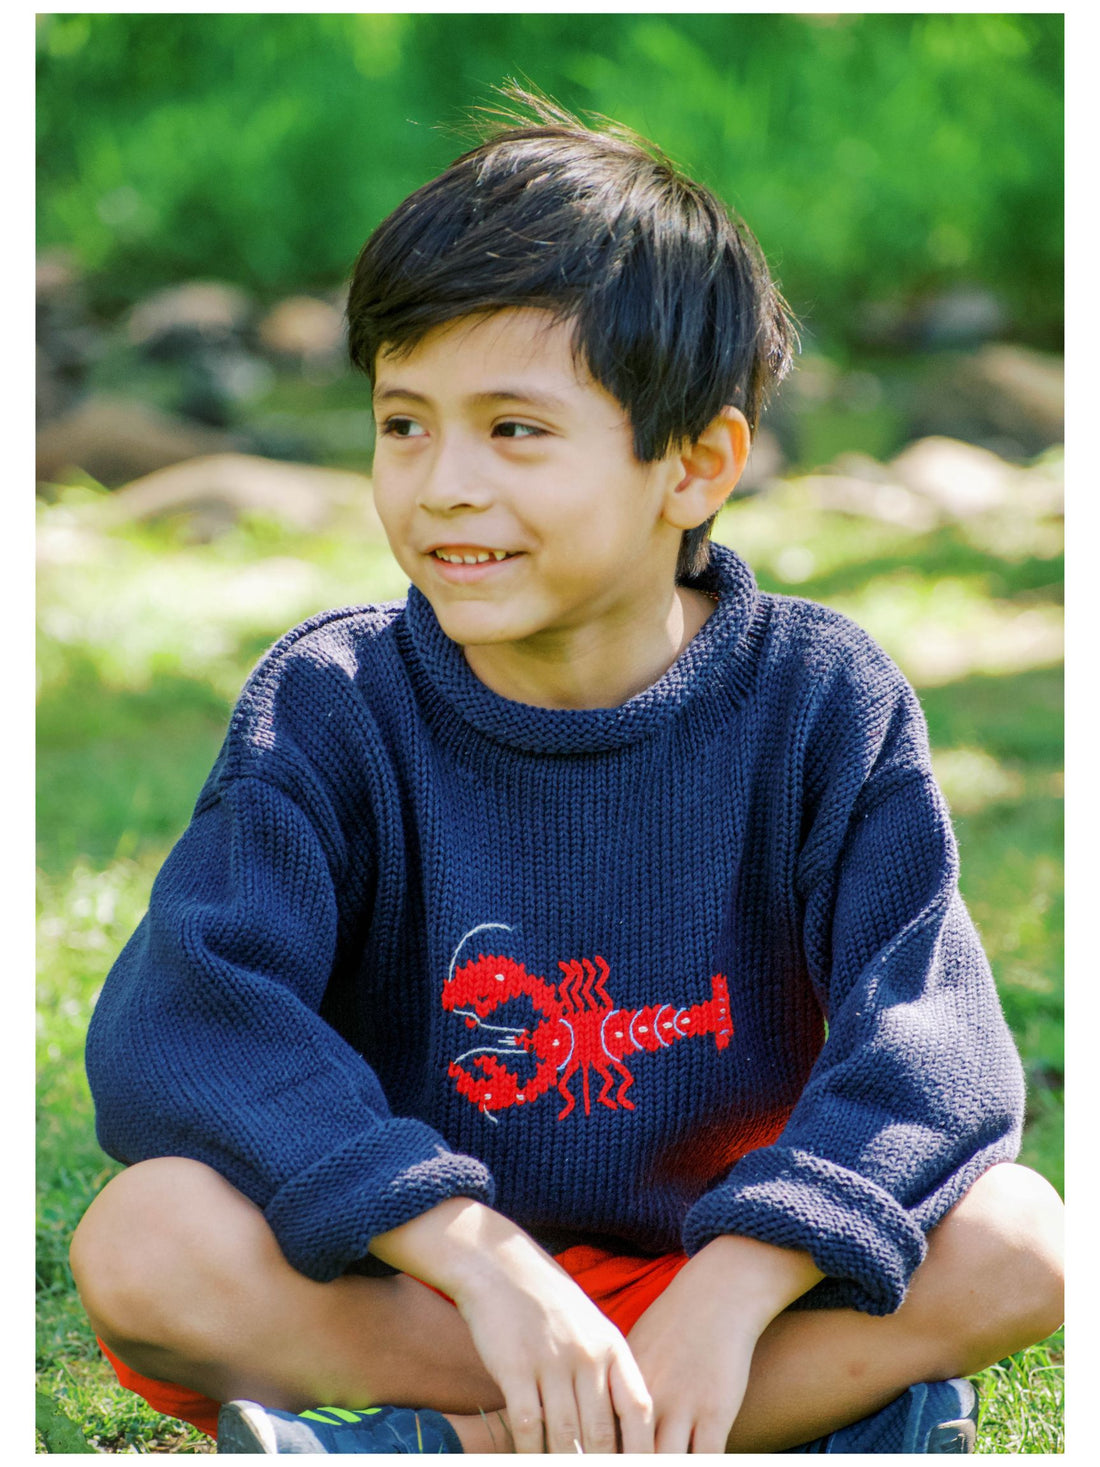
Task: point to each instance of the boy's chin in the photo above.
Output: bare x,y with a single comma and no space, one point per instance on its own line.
471,628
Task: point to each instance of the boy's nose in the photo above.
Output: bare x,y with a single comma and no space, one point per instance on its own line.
454,483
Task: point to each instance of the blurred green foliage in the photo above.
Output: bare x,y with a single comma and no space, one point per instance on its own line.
878,157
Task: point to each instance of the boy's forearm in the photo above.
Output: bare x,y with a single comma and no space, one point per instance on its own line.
459,1246
567,1375
758,1279
696,1342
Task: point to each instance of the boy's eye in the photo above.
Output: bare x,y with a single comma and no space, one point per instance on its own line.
401,428
510,429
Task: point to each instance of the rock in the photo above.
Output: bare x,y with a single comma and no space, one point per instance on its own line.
1020,383
959,478
55,389
1008,398
113,440
303,331
215,490
965,315
957,318
214,382
181,316
201,329
857,495
55,275
937,480
67,341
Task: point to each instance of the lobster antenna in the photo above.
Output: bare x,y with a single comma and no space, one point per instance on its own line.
481,927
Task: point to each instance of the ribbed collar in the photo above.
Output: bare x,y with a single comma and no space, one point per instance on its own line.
720,648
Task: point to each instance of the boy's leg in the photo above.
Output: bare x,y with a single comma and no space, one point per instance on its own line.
183,1279
990,1285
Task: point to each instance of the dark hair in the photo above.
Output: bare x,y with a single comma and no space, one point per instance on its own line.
674,311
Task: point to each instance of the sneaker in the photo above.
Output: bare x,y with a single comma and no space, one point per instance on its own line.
245,1427
938,1417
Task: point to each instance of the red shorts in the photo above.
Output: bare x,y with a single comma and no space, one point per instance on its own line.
622,1287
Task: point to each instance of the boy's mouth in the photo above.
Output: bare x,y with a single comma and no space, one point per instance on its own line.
469,554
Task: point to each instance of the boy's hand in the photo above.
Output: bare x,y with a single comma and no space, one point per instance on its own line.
695,1343
564,1369
567,1375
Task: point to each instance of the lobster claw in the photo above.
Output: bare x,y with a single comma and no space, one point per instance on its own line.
496,1087
487,982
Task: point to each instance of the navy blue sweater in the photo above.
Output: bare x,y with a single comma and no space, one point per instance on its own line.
420,941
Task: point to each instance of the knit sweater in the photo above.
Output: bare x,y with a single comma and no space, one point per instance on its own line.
692,965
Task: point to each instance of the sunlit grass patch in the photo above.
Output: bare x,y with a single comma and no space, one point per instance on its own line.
972,778
85,917
1021,1402
114,1420
791,542
119,769
141,603
944,628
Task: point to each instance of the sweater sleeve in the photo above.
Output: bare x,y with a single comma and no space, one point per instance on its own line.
207,1041
918,1088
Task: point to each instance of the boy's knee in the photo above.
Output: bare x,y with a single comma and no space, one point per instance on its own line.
1036,1229
150,1239
1004,1242
1026,1215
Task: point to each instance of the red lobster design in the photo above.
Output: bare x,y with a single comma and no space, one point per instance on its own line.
578,1028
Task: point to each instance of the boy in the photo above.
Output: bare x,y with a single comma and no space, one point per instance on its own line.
580,939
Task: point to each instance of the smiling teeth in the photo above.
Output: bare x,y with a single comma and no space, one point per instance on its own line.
478,559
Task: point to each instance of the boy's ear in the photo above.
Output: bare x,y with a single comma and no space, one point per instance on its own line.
711,468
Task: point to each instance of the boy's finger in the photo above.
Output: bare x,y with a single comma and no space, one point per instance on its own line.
597,1414
562,1416
673,1435
633,1405
711,1434
524,1419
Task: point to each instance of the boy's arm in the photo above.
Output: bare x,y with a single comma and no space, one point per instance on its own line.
918,1088
695,1342
917,1091
207,1041
563,1368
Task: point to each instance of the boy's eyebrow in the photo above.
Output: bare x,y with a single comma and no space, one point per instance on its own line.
546,400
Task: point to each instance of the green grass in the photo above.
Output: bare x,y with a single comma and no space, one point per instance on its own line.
1022,1401
145,639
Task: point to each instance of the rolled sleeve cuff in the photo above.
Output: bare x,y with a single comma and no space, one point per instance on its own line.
325,1217
856,1233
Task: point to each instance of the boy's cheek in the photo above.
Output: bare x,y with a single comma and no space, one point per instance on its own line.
393,524
410,563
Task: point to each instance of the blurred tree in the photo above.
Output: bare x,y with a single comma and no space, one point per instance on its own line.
880,157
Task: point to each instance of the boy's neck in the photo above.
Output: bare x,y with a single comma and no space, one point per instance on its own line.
589,670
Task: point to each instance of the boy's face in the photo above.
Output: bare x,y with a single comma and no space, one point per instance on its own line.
506,481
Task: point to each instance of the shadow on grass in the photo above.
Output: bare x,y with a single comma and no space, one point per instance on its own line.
1015,716
120,769
1012,872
